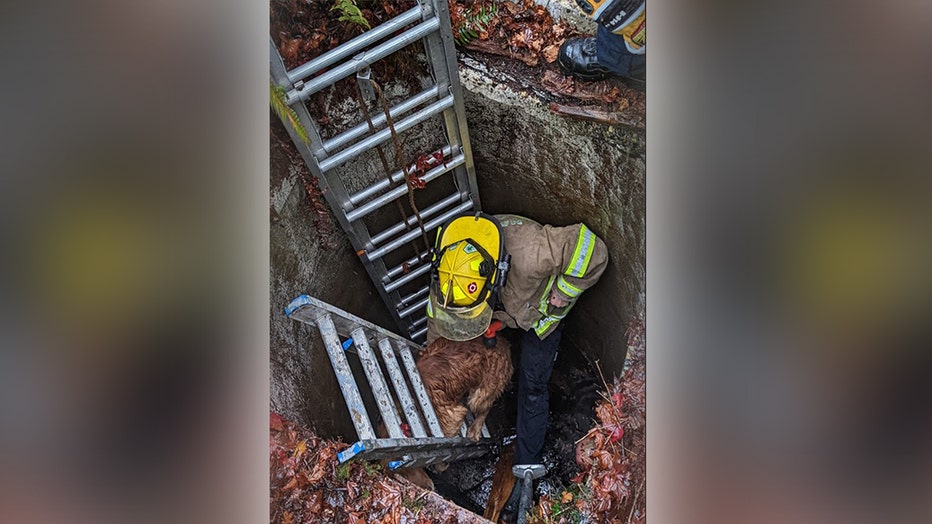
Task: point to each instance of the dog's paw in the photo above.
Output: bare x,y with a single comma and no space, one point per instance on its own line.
474,433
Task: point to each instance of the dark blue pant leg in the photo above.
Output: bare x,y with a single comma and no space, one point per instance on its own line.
612,54
537,358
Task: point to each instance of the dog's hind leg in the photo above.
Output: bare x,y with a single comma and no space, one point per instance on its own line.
480,402
451,417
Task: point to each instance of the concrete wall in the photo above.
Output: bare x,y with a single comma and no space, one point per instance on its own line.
558,171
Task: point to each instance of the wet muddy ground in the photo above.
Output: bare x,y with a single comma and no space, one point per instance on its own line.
574,391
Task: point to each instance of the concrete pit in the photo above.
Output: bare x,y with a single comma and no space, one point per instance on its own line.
529,162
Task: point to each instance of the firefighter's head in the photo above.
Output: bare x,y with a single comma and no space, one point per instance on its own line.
466,257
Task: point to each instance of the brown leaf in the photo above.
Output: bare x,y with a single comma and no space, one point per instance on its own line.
557,83
550,53
276,421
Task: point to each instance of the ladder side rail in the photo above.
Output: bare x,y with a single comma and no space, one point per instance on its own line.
441,53
344,373
306,309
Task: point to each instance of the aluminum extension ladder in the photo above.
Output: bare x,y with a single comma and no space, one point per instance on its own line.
427,445
402,284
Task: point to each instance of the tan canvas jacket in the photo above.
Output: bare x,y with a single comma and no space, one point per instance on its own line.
570,259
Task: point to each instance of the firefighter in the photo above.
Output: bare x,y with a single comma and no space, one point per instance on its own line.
511,271
619,46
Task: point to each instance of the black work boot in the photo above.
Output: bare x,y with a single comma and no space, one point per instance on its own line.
509,513
578,58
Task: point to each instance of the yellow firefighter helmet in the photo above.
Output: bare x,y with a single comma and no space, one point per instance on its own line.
466,273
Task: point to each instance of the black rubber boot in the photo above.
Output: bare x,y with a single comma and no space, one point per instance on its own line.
509,513
578,58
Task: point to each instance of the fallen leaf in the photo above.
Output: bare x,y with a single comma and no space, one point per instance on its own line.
300,449
276,422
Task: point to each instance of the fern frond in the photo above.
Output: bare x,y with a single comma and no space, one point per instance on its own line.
285,113
349,12
475,21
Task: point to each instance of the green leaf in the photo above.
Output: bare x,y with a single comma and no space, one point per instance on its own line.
287,115
349,12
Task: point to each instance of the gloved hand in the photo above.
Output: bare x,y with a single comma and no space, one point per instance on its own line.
610,13
489,337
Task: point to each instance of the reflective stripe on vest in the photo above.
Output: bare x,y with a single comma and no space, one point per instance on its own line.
543,325
585,245
568,289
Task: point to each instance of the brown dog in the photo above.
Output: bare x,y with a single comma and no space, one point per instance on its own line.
454,371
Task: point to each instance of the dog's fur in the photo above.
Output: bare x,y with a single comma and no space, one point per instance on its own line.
456,371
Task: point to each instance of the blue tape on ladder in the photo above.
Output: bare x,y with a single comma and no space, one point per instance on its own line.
347,343
350,452
395,464
296,304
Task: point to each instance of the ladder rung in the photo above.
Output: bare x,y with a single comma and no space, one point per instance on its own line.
411,263
397,177
359,130
411,235
412,275
369,57
377,383
362,41
401,389
411,221
413,296
426,407
419,334
381,136
399,191
420,321
344,374
419,306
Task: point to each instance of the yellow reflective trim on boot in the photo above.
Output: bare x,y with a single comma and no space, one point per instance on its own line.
585,245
